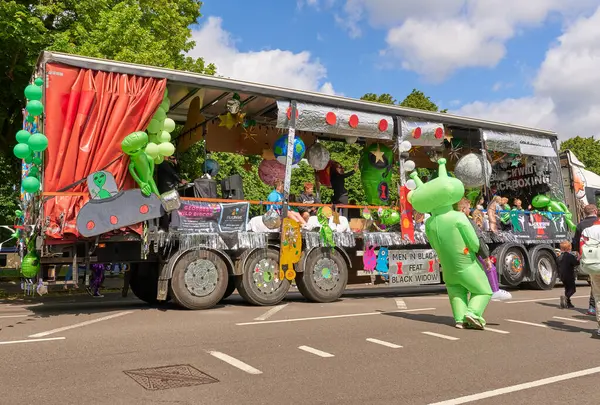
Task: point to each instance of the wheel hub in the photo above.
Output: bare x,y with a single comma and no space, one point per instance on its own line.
326,274
513,263
201,278
545,271
265,277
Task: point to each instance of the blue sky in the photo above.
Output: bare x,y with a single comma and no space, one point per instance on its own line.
490,58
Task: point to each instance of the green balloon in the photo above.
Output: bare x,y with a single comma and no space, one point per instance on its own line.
164,136
152,150
158,160
33,92
23,136
34,171
154,126
169,125
165,104
35,108
166,149
39,82
31,184
30,118
37,161
29,159
38,142
160,115
22,150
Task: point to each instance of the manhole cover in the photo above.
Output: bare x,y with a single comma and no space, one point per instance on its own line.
164,378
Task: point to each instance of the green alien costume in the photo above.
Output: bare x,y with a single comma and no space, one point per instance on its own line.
456,244
141,166
542,201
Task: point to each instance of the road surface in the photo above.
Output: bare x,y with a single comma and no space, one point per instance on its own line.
364,349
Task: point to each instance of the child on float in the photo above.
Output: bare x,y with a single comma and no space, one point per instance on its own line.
277,196
567,263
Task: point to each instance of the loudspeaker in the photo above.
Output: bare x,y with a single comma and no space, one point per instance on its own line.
232,187
205,188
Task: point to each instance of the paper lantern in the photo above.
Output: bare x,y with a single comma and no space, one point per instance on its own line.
38,142
470,170
22,150
318,156
280,150
269,171
376,173
31,184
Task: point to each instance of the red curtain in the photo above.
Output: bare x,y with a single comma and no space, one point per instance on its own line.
87,115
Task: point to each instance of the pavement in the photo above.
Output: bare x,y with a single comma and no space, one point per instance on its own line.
374,346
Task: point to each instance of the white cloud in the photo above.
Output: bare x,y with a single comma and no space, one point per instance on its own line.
437,37
276,67
566,89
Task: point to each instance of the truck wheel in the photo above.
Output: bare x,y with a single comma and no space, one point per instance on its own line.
231,286
144,281
199,280
324,277
546,270
512,265
260,283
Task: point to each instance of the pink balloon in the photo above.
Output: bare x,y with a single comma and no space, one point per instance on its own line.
270,171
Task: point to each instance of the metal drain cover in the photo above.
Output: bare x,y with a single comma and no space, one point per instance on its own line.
167,377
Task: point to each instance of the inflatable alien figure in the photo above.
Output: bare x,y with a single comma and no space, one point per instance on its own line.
542,201
456,244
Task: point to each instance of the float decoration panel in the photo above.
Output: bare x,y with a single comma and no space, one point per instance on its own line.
421,133
518,144
336,121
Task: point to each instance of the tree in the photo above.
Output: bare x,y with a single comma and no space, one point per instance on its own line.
587,151
384,98
152,32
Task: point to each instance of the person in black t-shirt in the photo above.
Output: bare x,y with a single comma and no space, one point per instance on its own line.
308,196
338,184
566,268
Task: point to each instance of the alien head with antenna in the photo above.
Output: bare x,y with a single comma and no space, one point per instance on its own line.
438,195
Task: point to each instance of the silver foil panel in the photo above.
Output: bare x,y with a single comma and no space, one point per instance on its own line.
518,144
421,133
312,117
341,239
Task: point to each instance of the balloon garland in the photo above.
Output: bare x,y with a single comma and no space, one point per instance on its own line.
32,144
159,133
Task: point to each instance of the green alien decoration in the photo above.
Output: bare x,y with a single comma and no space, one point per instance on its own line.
30,265
542,201
456,244
141,166
100,181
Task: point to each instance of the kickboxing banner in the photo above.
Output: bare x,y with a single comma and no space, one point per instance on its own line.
199,217
520,177
537,225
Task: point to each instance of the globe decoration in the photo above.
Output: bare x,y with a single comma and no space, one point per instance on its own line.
270,171
211,167
318,157
280,150
376,173
470,170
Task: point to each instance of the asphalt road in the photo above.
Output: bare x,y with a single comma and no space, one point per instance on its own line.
371,347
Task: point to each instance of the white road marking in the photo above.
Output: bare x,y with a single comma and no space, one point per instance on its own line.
384,343
519,387
315,318
539,325
235,362
439,335
542,299
315,351
570,319
13,316
503,332
270,312
400,304
11,342
79,325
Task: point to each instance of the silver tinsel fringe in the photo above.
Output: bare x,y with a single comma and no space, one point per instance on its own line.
251,240
341,239
384,239
206,240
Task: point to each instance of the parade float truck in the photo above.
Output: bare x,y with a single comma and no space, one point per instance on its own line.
95,133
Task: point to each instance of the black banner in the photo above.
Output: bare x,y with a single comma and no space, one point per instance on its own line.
537,225
198,217
234,217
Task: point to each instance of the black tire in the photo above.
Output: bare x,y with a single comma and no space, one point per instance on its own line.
512,265
317,286
262,287
199,280
231,286
143,281
545,269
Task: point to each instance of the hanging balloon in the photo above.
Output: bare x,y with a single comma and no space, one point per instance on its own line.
23,136
22,150
34,107
165,104
318,156
34,172
158,160
211,167
411,185
166,149
39,82
160,115
152,150
280,150
270,171
31,184
30,159
405,146
470,170
164,136
30,266
376,173
30,119
33,92
38,142
35,161
169,125
409,166
154,126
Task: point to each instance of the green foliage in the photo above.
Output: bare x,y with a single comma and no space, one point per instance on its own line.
384,98
587,151
416,99
152,32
